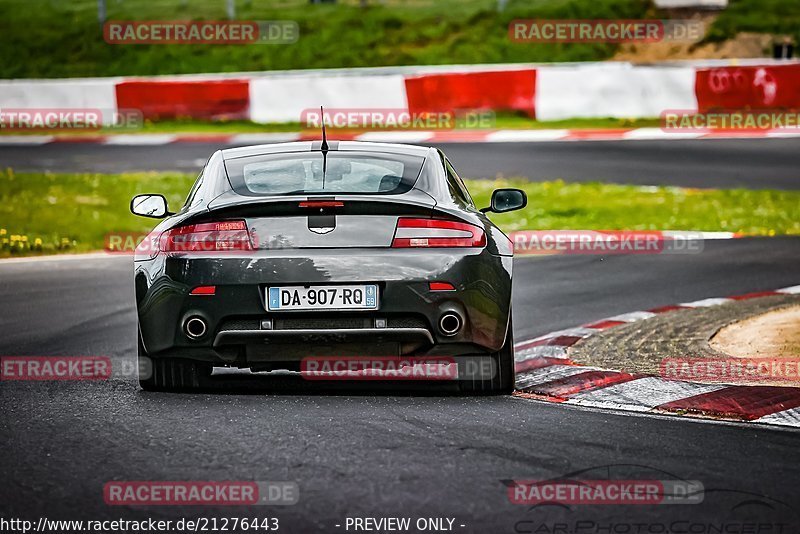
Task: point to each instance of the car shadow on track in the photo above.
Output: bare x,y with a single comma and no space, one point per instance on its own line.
293,384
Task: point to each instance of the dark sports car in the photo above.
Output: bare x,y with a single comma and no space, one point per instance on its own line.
289,251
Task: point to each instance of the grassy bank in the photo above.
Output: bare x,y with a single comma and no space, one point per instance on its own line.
601,206
51,213
74,212
777,17
52,38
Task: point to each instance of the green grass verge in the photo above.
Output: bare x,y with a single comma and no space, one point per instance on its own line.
601,206
54,38
502,121
777,17
74,212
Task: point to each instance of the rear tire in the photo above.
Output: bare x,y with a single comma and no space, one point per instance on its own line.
171,374
502,383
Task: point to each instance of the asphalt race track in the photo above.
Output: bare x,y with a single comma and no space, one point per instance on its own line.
357,451
709,163
371,453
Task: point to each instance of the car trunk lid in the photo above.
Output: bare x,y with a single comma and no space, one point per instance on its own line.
342,221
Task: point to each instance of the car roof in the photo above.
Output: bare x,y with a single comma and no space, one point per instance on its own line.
314,146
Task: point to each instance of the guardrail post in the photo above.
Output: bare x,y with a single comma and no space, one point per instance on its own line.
101,12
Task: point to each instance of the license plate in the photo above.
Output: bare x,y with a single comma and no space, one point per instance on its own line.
296,298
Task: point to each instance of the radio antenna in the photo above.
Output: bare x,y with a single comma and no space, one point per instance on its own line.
324,147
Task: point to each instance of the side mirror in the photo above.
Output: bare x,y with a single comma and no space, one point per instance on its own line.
504,200
154,206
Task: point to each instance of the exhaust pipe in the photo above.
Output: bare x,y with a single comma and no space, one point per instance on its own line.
195,328
450,323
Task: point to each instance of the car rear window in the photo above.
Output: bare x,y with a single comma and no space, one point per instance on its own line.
309,173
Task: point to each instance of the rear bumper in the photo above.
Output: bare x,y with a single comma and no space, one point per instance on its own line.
356,335
235,315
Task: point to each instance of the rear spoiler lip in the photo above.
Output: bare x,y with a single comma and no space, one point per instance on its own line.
414,197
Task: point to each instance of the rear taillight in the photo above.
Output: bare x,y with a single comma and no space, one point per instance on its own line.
441,286
422,233
207,237
204,290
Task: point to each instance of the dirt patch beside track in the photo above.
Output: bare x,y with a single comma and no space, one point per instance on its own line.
773,334
642,346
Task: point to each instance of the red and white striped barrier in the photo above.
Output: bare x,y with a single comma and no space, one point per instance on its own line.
546,92
209,99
